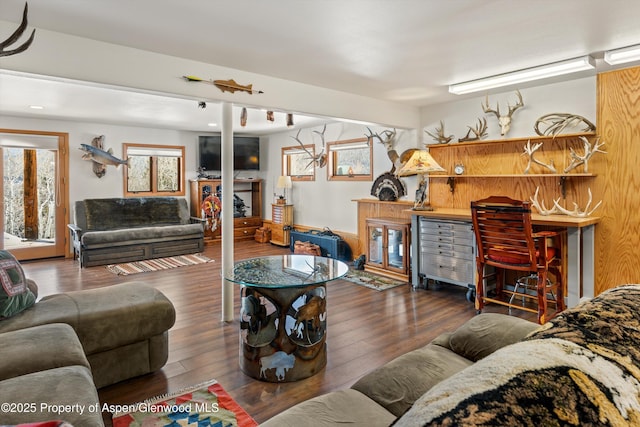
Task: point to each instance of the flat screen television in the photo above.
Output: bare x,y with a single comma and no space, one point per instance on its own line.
246,153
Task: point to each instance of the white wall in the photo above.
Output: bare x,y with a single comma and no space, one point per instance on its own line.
83,183
322,203
576,97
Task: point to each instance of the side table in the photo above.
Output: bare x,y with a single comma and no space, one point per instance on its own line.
283,315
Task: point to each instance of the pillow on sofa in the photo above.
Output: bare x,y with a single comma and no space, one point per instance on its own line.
487,332
15,295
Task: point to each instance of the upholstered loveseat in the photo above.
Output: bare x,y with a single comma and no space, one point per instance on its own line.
109,231
581,368
56,352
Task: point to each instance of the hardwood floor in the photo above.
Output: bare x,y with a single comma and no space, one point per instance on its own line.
365,329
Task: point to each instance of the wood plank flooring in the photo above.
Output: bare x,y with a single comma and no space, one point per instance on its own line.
365,329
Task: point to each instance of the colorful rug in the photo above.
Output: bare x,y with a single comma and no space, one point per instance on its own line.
157,264
370,280
202,405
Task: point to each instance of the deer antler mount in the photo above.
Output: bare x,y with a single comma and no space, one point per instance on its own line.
555,123
557,209
479,132
439,136
16,35
589,150
319,160
504,121
529,150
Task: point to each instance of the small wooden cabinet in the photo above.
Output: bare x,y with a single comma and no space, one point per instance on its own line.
281,224
206,198
388,246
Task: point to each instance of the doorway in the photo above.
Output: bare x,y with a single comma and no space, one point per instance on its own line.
35,193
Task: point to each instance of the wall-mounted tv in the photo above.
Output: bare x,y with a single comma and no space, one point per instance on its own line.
246,153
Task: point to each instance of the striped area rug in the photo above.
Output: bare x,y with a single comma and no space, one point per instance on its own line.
157,264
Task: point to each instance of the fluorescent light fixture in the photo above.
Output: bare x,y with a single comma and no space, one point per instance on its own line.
542,72
622,55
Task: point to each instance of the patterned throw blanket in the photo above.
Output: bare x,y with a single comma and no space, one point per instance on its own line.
580,369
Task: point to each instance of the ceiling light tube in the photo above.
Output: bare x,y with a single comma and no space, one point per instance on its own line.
622,55
355,146
529,74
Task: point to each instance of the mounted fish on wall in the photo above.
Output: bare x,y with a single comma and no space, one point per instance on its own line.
101,159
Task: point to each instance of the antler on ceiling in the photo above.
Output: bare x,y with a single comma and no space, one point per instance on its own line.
16,35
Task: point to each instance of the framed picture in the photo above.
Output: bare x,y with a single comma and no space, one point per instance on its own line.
350,160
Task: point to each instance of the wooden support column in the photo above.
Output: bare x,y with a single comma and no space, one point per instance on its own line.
30,172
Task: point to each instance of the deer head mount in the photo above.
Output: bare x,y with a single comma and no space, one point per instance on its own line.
504,121
388,139
319,160
16,35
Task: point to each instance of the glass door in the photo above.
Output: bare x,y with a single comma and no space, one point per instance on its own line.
376,245
34,192
395,248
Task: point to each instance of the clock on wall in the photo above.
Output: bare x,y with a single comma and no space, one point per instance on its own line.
459,169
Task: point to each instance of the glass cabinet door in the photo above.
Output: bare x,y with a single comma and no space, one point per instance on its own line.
376,245
395,248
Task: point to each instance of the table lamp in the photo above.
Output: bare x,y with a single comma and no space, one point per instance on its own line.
420,163
285,183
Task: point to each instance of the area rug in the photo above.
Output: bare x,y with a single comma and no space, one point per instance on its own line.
370,280
202,405
157,264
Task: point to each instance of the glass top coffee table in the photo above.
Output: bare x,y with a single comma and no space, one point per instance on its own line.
283,316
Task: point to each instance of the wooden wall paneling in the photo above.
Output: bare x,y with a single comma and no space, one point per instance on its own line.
618,234
497,168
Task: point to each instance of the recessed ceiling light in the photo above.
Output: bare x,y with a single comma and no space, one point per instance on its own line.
212,124
36,107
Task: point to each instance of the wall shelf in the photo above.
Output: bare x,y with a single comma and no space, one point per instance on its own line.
497,167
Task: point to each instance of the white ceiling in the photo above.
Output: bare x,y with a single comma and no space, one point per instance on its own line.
404,51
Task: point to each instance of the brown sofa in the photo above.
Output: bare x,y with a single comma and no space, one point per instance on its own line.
65,346
386,393
581,368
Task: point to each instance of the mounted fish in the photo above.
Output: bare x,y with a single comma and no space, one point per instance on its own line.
98,168
16,35
224,85
100,156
